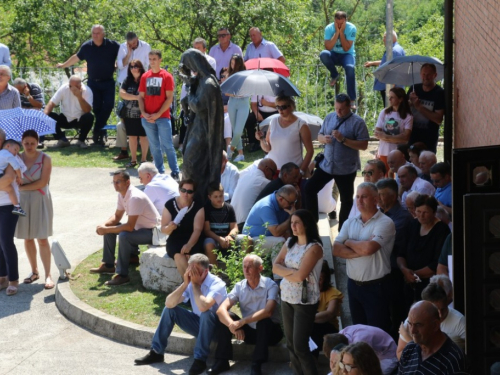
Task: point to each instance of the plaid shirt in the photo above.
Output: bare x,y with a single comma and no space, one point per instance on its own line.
10,98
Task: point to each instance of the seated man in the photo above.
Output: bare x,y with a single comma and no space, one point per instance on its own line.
425,161
410,202
229,177
273,211
409,181
380,341
31,94
205,292
441,178
260,323
395,160
289,175
374,171
76,105
138,230
159,188
220,223
431,351
251,182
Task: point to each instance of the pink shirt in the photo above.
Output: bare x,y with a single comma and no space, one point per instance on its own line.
136,203
393,124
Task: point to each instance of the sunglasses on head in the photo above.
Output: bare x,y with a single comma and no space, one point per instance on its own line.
282,107
182,190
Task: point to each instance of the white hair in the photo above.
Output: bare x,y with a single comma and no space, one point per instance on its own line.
256,260
5,68
148,167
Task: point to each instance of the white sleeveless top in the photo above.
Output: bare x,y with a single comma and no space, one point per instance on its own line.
286,144
291,292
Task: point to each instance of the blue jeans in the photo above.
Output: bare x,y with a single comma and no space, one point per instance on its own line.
332,59
102,104
238,110
202,327
8,250
160,140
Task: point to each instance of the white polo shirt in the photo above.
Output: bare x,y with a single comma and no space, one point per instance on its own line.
140,53
70,106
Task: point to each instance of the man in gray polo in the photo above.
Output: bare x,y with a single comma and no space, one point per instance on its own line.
366,242
260,324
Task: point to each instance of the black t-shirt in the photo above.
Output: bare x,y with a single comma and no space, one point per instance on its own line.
132,88
270,188
220,218
425,130
100,59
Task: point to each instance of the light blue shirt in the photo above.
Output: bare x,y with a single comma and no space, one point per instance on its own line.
212,287
265,49
266,211
222,58
444,195
5,55
350,34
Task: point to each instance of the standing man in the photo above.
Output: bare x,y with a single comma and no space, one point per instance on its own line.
131,49
76,105
156,93
100,54
223,51
397,50
5,55
31,94
260,321
9,96
366,242
339,51
427,106
201,45
343,133
261,47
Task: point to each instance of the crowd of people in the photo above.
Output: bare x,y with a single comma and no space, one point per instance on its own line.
394,229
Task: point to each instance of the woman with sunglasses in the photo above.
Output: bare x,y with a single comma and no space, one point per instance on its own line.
238,109
358,359
394,124
286,137
299,263
184,236
129,92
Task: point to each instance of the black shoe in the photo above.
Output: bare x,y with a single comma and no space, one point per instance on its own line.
151,357
332,215
197,367
219,366
255,370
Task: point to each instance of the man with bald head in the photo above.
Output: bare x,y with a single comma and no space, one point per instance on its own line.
426,160
431,351
261,47
76,101
395,160
409,181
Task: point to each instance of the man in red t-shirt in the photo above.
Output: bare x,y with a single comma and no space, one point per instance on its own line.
156,92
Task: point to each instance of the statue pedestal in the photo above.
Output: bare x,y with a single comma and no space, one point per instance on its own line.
158,270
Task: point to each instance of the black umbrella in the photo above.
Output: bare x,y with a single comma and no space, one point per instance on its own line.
258,82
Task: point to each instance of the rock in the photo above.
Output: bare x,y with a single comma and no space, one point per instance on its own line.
158,270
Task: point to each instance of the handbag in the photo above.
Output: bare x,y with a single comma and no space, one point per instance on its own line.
121,109
159,238
304,291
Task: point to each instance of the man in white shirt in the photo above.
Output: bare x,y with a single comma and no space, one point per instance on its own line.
159,188
409,181
76,105
201,45
251,182
366,242
229,177
132,49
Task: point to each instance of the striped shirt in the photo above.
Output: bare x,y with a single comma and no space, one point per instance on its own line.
10,98
449,359
37,94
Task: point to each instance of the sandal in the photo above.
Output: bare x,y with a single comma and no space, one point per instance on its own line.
31,278
4,285
49,284
132,164
11,290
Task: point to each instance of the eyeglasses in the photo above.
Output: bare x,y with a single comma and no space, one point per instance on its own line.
182,190
134,67
290,203
367,173
342,98
345,367
222,35
282,107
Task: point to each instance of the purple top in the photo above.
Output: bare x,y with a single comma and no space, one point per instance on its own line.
223,57
380,341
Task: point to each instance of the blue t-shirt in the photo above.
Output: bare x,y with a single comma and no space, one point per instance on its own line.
444,195
266,211
100,59
350,34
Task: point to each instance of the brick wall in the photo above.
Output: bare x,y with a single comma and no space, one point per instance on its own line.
477,73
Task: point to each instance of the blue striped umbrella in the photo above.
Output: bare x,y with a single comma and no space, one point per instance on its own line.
16,121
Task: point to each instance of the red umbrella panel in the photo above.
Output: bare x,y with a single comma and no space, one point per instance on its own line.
268,63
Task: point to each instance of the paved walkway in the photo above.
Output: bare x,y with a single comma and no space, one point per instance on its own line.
35,338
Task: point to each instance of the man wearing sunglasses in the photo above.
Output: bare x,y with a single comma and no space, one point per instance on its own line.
223,51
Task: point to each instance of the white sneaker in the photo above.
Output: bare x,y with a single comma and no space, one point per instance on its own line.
229,152
239,158
81,144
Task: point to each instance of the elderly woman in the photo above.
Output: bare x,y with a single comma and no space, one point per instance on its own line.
286,137
36,199
184,236
299,263
9,96
9,272
425,239
129,92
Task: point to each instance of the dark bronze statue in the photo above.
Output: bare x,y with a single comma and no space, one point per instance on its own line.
204,140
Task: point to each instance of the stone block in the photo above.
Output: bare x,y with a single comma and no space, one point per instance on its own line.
158,270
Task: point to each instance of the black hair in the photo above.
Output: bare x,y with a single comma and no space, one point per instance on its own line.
312,232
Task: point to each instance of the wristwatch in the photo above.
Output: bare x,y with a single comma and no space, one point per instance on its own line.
343,140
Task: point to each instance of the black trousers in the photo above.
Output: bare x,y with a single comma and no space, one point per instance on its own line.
84,123
318,181
102,104
267,333
251,125
382,94
320,330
